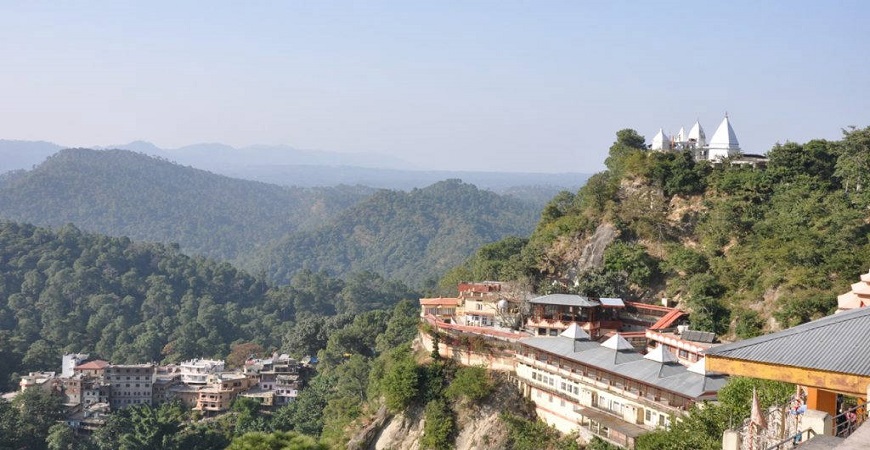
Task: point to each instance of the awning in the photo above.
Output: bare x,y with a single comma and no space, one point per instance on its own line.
609,421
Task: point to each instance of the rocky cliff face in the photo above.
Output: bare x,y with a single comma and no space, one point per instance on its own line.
479,425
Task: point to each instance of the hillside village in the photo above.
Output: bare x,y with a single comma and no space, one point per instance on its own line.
92,388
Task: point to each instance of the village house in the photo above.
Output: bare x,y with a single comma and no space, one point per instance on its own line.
442,309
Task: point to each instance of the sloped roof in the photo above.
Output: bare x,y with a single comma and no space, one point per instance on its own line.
660,354
724,137
834,343
660,141
612,302
705,337
630,364
617,342
565,300
697,134
97,364
575,332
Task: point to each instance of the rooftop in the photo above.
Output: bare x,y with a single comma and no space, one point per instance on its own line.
810,345
565,300
440,301
621,359
97,364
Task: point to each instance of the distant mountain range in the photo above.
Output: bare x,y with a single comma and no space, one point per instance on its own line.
413,236
288,166
122,193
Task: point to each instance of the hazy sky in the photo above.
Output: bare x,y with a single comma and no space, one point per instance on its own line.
464,85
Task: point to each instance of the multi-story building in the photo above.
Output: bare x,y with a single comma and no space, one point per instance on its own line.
47,381
132,384
221,390
70,361
197,371
489,304
549,315
608,390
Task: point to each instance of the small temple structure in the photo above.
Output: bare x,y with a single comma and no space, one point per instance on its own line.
857,297
722,145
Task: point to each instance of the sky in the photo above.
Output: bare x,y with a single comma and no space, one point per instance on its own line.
515,86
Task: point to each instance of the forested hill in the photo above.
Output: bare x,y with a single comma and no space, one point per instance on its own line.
747,250
410,236
122,193
67,291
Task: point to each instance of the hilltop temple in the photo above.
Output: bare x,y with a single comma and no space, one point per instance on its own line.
722,145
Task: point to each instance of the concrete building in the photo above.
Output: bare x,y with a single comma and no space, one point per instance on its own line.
197,371
443,309
95,368
132,384
608,390
70,361
489,304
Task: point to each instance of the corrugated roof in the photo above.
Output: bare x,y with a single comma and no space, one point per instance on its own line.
835,343
565,300
705,337
630,364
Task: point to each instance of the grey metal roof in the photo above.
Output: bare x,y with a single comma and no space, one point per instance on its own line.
565,300
612,302
836,343
698,336
630,364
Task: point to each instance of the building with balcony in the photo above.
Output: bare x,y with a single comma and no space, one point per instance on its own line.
608,390
553,314
221,390
197,371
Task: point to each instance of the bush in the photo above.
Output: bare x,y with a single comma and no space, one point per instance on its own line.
437,427
470,384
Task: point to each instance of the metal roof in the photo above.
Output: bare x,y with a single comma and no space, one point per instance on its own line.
698,336
612,302
565,300
836,343
630,364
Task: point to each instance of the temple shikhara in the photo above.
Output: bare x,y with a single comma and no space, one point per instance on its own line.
722,145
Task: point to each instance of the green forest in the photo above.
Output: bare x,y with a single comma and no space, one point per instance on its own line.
412,236
277,231
122,193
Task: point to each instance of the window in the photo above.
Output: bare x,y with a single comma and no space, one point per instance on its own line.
684,354
648,416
